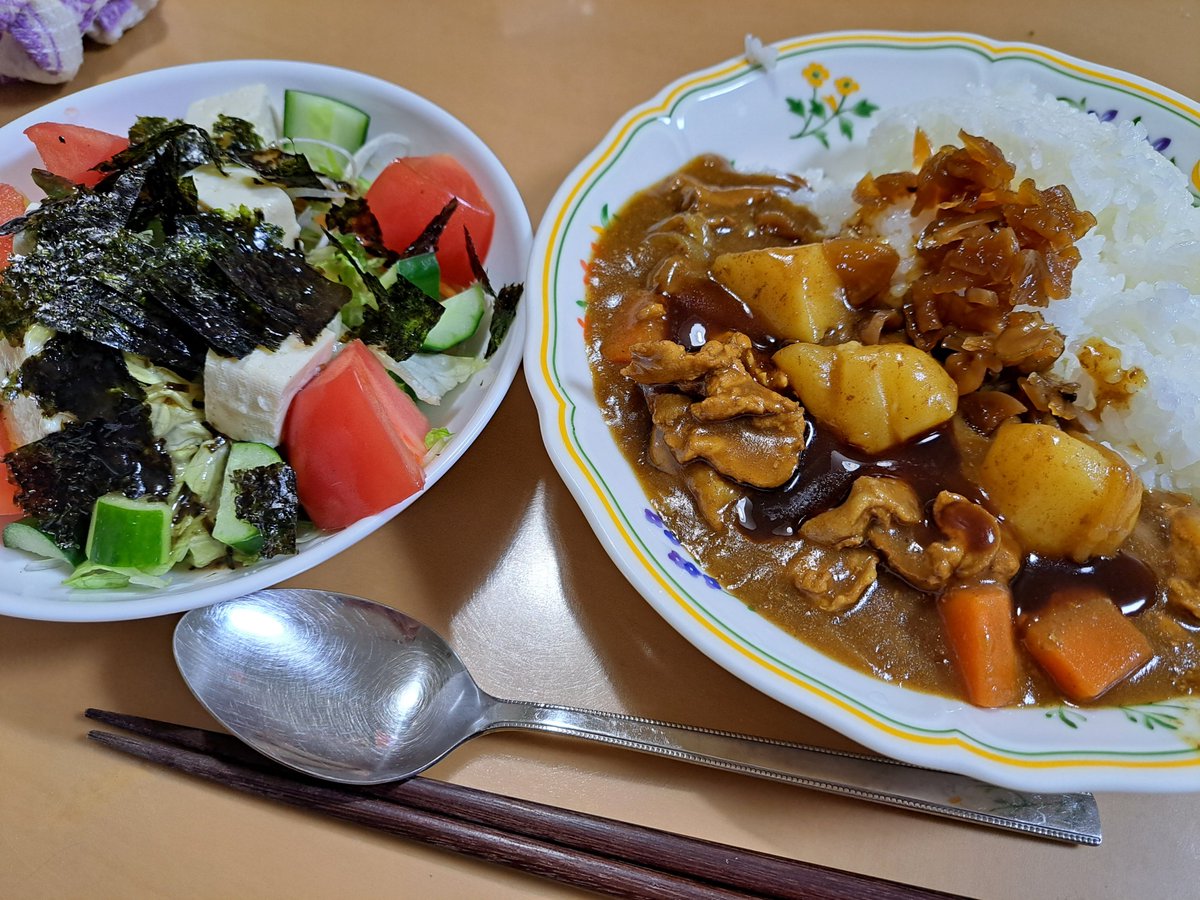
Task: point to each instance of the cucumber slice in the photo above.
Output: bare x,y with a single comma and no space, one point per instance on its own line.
422,270
130,534
228,528
320,118
323,118
25,535
460,320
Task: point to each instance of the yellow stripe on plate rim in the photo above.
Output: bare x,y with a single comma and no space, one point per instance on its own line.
615,142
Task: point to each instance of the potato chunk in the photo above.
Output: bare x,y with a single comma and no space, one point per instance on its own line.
794,292
875,397
1064,496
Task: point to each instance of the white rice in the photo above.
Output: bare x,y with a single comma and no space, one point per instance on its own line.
1138,285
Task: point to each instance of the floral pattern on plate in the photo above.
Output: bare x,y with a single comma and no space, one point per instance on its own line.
1160,144
819,114
742,111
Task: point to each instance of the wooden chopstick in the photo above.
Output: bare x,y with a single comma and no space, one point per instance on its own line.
591,852
536,857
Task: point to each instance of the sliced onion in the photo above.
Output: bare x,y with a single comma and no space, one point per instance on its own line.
385,147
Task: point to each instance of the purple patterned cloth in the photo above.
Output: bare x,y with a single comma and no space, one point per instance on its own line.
42,40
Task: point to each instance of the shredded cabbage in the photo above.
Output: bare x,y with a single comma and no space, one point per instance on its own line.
197,459
97,577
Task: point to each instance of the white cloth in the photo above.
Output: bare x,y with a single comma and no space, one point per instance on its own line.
42,40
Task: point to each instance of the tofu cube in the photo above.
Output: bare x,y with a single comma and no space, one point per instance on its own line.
21,416
247,399
251,103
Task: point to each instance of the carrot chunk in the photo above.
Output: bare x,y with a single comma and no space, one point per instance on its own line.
978,623
641,317
1084,643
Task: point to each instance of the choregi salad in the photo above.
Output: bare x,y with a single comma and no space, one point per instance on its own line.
222,328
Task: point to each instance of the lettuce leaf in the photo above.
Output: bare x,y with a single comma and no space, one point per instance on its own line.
432,375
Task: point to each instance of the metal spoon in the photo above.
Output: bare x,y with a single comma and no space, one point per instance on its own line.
356,692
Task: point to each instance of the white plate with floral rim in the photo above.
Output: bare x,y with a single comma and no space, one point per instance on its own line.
823,93
38,593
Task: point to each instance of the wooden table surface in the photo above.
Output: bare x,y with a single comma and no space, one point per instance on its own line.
497,556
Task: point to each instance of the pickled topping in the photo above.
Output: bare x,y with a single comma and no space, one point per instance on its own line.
865,268
989,249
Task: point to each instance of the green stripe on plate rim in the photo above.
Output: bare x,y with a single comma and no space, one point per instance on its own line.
758,654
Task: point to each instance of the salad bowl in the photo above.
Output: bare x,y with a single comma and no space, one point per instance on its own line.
34,591
765,111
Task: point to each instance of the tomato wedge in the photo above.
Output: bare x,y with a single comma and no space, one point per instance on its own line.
411,191
355,439
72,151
12,204
8,490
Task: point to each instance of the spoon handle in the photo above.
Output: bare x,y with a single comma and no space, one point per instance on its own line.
1073,818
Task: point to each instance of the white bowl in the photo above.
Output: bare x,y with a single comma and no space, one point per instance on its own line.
39,593
739,110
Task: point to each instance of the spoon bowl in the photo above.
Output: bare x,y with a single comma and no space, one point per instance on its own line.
329,684
356,692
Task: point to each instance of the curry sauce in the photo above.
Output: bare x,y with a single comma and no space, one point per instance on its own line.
651,284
